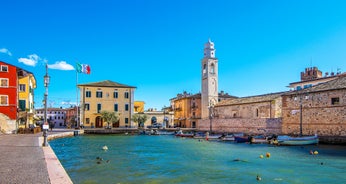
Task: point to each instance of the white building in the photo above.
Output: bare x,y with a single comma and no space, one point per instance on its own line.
56,116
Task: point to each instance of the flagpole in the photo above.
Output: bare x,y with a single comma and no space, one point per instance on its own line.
77,116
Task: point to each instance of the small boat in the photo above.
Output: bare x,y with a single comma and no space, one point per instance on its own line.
259,139
214,137
241,139
227,138
165,133
199,135
303,140
181,134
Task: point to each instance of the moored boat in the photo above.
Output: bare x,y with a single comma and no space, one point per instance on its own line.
259,139
228,138
181,134
241,139
303,140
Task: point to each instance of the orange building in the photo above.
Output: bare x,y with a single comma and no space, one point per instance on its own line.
187,108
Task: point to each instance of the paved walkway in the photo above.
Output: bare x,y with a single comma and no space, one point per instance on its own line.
24,160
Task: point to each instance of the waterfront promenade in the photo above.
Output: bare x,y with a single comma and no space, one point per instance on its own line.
24,160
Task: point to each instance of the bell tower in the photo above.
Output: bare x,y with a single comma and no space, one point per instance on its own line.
209,79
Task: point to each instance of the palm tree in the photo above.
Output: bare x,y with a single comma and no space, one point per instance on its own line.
110,117
139,118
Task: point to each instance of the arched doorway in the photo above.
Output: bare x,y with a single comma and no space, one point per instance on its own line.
153,120
99,122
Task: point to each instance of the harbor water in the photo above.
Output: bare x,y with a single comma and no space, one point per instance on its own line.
169,159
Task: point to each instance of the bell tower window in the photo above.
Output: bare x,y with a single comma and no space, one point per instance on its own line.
212,68
204,68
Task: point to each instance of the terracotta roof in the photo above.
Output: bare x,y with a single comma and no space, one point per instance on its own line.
106,83
338,83
250,99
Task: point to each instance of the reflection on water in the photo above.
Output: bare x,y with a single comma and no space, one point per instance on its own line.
167,159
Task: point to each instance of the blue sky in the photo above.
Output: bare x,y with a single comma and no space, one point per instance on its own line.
157,45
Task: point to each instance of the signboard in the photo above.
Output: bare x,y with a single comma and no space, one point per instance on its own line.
45,126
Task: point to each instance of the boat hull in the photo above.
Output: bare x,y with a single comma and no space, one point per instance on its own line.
296,141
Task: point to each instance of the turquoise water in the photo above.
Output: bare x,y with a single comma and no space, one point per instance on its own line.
168,159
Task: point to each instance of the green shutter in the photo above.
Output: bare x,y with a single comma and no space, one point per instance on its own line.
22,105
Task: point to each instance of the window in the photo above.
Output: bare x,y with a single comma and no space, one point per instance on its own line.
257,113
115,94
126,107
22,87
212,68
4,82
299,88
86,107
3,100
99,107
126,94
88,94
335,101
98,94
126,120
3,68
87,120
116,107
22,105
204,69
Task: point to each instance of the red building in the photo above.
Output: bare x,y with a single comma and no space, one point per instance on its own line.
9,97
8,90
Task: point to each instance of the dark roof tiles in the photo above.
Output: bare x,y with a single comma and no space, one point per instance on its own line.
106,83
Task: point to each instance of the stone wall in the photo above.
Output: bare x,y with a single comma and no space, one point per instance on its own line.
256,110
319,115
245,125
7,125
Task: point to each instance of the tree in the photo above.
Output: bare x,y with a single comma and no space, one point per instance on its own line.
110,117
139,118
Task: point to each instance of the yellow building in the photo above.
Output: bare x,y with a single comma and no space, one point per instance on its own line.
139,106
106,96
26,86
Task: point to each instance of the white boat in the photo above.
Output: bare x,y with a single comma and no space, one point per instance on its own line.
227,138
302,140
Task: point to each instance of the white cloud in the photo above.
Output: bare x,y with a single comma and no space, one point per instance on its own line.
5,51
31,60
61,65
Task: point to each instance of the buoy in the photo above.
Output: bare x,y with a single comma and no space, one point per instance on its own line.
261,156
105,148
258,178
315,152
267,154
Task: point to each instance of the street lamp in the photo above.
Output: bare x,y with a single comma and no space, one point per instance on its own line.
45,125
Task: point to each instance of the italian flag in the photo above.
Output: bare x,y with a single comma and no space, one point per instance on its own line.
83,68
